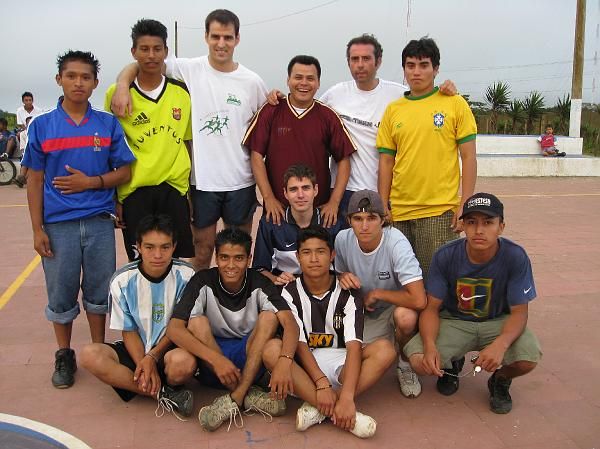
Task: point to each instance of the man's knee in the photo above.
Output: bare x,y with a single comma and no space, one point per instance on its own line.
416,363
180,365
383,352
93,357
271,353
405,320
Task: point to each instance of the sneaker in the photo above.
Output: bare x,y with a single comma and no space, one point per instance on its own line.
409,382
561,154
365,426
20,180
174,400
262,401
448,383
3,157
64,368
212,416
500,400
307,416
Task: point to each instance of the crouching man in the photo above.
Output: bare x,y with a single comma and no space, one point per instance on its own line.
479,288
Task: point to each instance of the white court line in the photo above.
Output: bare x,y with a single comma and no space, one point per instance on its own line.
57,435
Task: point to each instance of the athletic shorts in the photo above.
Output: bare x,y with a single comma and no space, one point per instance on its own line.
331,361
83,258
236,207
160,199
126,360
457,337
378,327
232,348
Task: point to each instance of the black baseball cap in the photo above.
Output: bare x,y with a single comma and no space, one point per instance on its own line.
486,203
365,201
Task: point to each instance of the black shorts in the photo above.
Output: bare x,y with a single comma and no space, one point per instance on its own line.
236,207
160,199
126,360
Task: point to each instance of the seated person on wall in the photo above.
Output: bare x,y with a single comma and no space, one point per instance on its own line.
222,323
548,143
275,249
142,296
479,288
331,366
8,142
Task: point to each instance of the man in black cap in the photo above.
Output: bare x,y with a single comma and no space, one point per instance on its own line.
479,289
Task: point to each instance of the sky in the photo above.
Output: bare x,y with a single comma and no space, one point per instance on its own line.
526,43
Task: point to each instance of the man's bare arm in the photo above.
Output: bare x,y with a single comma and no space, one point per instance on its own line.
384,179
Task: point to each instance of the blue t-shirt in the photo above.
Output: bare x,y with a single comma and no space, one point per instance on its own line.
4,138
475,292
96,146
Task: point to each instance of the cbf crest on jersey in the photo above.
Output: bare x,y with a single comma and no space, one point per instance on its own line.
474,296
177,113
438,119
158,312
97,142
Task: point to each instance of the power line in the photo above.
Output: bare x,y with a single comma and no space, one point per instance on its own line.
518,66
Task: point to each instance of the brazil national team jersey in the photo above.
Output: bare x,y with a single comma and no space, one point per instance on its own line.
156,131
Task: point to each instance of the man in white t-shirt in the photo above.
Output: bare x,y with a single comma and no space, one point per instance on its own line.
225,95
27,110
361,103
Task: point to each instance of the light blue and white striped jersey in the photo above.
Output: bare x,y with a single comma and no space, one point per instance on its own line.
144,304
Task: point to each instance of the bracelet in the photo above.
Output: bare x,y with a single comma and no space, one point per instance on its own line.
286,356
101,182
323,388
152,356
318,379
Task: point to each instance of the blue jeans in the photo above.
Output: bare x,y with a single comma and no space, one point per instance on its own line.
79,246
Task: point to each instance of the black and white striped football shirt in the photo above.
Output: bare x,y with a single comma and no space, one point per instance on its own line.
230,316
329,321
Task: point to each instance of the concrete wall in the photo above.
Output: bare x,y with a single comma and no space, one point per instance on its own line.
503,144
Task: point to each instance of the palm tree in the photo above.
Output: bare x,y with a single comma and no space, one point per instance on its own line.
497,96
563,110
534,108
516,113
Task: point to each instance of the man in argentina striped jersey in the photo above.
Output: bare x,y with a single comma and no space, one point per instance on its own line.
331,365
142,296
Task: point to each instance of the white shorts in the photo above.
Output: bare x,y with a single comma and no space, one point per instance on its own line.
331,361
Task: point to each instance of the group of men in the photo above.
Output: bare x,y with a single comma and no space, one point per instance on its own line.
324,336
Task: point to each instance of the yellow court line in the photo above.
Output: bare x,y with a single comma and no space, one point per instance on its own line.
12,288
547,195
13,205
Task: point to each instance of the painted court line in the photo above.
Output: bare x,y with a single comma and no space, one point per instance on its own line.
51,434
12,288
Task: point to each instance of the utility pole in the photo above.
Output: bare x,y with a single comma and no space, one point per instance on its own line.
577,86
176,39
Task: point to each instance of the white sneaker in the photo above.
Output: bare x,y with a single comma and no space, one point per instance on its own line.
307,416
364,427
409,382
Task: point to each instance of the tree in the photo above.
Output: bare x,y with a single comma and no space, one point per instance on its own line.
563,110
516,113
534,108
498,97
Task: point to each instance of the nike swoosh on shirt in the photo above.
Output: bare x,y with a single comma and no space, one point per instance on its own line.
526,291
291,244
470,297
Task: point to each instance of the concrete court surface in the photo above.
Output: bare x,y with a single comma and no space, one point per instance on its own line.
557,406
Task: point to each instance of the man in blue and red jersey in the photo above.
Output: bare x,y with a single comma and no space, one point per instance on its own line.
76,155
299,130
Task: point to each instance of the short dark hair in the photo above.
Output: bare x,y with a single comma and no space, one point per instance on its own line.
160,223
299,171
75,55
26,94
549,126
224,17
148,27
233,236
3,121
314,232
423,48
304,60
366,39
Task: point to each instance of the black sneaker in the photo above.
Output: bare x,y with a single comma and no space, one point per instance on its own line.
447,384
64,368
500,400
176,400
561,154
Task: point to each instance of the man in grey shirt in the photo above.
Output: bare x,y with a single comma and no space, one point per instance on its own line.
379,262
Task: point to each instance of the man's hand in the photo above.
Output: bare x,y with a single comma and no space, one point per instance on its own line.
284,278
344,414
228,374
274,210
370,299
274,96
431,362
119,223
490,358
41,243
146,375
457,225
448,88
329,213
281,379
121,102
76,182
326,400
349,281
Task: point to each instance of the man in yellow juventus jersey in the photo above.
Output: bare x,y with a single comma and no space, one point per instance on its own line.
419,140
156,131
